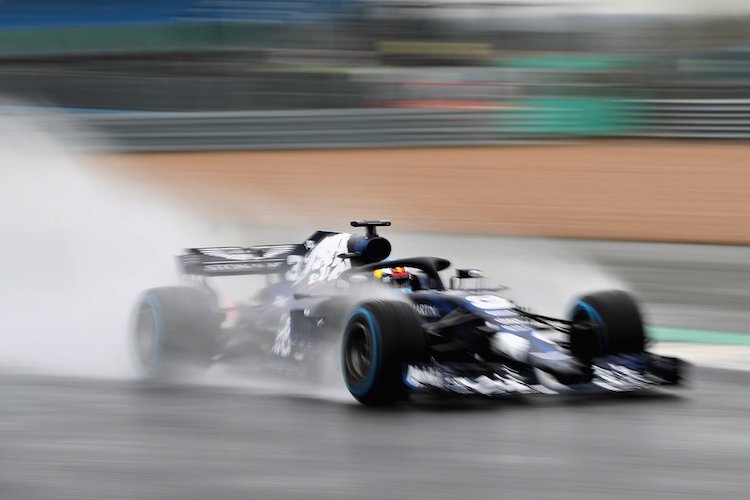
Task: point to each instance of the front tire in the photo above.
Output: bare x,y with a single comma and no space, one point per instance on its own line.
606,323
379,338
174,331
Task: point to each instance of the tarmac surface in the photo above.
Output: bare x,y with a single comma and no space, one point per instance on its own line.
86,439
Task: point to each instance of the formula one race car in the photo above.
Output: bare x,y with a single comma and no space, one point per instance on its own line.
400,330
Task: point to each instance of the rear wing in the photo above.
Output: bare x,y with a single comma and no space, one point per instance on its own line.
232,261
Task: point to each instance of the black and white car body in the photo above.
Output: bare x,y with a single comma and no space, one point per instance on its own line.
394,340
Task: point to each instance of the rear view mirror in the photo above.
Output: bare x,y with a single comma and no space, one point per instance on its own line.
462,274
468,273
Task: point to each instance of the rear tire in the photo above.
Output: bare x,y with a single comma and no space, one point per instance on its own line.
609,322
174,331
379,338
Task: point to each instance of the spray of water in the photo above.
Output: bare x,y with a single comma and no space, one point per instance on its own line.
78,244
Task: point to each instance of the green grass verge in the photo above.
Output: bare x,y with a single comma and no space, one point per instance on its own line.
667,334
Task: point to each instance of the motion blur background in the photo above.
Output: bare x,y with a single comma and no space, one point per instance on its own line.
415,71
629,119
561,145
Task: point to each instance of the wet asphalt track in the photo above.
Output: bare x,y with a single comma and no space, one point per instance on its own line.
91,439
78,439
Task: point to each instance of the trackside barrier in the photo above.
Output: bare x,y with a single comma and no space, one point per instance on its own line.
335,128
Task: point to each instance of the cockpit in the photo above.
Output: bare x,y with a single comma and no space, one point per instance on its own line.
414,274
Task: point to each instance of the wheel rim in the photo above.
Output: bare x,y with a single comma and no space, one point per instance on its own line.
358,352
145,335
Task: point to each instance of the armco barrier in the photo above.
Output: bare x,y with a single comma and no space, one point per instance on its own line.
286,129
174,131
696,119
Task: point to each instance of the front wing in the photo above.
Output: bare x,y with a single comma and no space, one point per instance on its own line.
610,374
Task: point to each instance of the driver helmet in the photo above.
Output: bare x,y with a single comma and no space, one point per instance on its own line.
398,277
